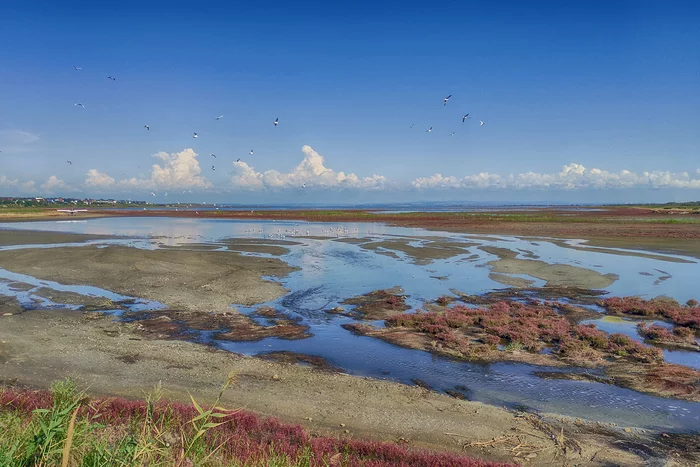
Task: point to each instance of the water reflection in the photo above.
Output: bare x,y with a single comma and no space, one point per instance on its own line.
331,271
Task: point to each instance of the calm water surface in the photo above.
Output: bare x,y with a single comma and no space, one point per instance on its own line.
331,271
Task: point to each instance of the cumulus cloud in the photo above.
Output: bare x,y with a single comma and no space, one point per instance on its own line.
97,179
16,141
571,177
15,184
54,184
311,172
175,170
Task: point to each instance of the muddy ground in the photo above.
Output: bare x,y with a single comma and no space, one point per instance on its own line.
31,237
552,274
184,280
41,346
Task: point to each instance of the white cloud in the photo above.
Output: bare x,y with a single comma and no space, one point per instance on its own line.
310,172
8,183
16,141
176,170
571,177
54,184
97,179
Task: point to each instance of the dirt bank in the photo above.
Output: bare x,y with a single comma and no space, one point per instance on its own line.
32,237
37,347
183,280
553,274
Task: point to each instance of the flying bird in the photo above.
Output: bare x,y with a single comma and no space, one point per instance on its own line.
481,123
452,134
195,135
444,101
412,125
76,68
112,78
69,162
429,130
219,117
464,119
277,120
153,194
238,160
78,104
213,155
251,152
148,127
213,168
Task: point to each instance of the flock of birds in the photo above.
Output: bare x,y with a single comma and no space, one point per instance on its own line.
465,117
148,127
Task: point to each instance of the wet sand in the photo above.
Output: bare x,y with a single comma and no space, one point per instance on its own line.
553,274
33,237
184,280
38,347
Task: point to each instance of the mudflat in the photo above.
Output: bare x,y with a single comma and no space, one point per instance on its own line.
552,274
41,346
31,237
184,280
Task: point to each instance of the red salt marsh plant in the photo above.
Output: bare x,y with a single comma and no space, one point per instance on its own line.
523,326
62,426
678,337
660,308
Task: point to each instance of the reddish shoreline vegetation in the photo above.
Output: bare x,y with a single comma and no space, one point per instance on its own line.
659,308
172,324
491,328
48,427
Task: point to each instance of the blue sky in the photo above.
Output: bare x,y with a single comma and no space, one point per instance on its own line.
593,86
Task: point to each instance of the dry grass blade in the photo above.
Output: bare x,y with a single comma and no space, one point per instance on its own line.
493,442
69,438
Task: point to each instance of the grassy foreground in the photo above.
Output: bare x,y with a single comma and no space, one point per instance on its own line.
65,427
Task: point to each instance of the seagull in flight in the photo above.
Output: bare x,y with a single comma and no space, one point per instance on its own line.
148,127
213,168
238,160
69,162
153,194
112,78
219,117
452,134
444,101
76,68
277,120
195,135
464,119
213,155
78,104
251,152
412,125
429,130
481,123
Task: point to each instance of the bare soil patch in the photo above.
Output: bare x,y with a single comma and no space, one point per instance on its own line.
183,280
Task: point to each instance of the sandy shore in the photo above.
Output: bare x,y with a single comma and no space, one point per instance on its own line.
41,346
38,347
185,280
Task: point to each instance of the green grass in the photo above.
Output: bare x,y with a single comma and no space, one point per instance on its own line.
67,428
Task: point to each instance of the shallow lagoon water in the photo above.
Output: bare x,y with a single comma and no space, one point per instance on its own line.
331,271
